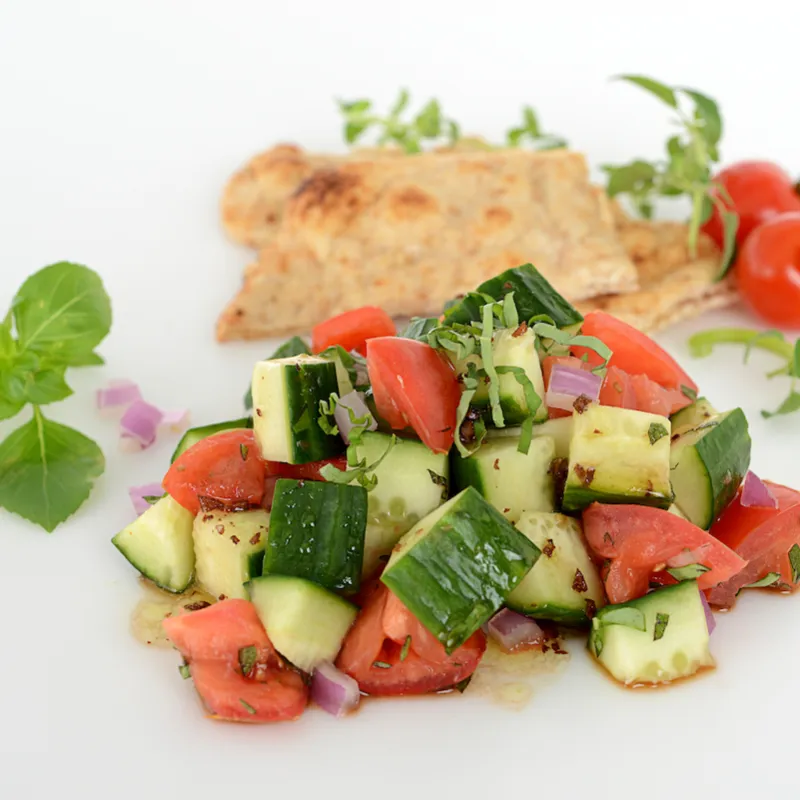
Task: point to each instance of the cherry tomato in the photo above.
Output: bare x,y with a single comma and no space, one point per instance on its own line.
352,329
759,191
768,271
414,385
225,467
639,393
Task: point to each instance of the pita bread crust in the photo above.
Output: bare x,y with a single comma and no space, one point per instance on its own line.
407,234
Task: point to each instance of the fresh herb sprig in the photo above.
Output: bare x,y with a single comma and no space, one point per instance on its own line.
702,344
686,168
531,132
57,318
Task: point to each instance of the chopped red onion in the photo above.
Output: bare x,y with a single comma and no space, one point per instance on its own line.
354,401
138,494
175,421
711,623
333,691
512,630
756,493
567,384
117,396
139,425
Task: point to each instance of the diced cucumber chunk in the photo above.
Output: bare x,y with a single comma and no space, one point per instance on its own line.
517,351
533,295
412,482
317,532
229,547
660,637
291,347
709,464
618,456
195,435
511,481
564,584
286,396
345,367
692,416
457,566
306,623
559,429
159,544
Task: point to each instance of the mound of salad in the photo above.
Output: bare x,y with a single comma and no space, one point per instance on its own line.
392,500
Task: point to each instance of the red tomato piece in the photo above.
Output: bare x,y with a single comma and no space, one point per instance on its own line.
632,351
637,541
759,190
210,641
225,467
639,393
414,385
352,329
368,643
547,369
763,537
768,271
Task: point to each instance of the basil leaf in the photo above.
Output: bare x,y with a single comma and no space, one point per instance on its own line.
358,470
531,122
689,572
768,580
352,130
758,339
419,327
687,391
662,620
730,222
429,121
28,380
405,648
355,106
628,616
662,92
47,471
656,431
62,310
788,406
247,707
247,659
400,104
794,561
707,111
629,177
185,671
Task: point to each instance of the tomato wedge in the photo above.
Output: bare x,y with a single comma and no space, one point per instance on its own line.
637,541
763,537
639,393
226,468
423,667
210,641
414,385
632,351
352,329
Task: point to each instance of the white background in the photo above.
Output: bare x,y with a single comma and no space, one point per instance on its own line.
119,123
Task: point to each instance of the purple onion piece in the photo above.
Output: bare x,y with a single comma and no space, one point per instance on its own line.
138,493
117,395
139,425
333,691
710,621
756,493
567,384
176,421
511,630
354,401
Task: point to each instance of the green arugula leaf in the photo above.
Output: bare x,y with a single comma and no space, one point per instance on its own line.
769,579
662,620
656,431
689,572
47,471
28,379
62,310
794,562
660,90
788,406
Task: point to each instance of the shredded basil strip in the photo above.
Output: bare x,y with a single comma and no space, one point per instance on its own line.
769,579
358,470
794,561
487,356
689,572
532,400
510,313
548,331
662,620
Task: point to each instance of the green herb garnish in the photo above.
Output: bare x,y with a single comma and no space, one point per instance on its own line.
152,499
794,561
656,431
185,671
57,317
461,686
530,131
405,648
247,659
243,450
686,168
440,480
769,579
702,344
381,665
628,616
358,469
326,409
689,572
247,707
662,620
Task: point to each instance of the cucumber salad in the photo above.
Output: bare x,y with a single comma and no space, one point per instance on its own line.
391,502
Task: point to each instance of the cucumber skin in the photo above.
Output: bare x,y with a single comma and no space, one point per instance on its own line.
311,515
533,295
304,390
445,558
554,613
577,498
195,435
291,347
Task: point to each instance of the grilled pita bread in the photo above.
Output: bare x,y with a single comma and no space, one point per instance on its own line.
673,286
406,234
